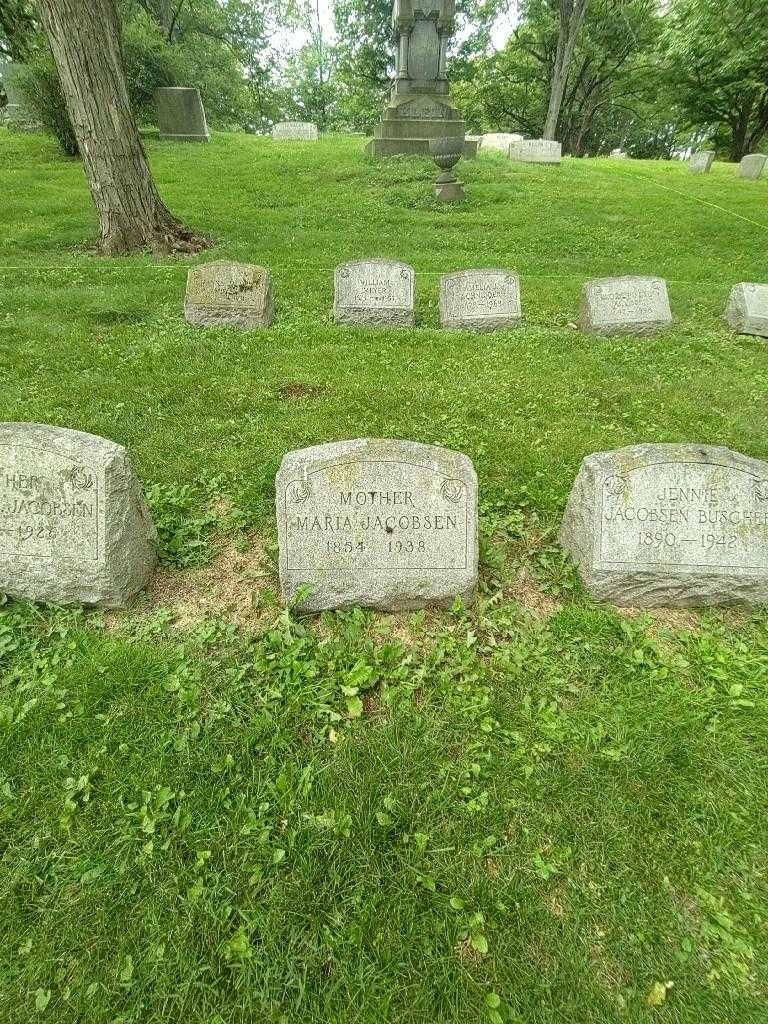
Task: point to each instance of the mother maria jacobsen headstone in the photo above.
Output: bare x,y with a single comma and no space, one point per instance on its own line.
379,523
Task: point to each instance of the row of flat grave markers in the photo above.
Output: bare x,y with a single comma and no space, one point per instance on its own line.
392,524
381,293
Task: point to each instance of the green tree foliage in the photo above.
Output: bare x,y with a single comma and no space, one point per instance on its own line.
611,95
365,60
717,62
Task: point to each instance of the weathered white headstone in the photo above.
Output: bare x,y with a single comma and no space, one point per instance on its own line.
626,305
378,523
670,524
223,294
752,166
701,162
74,528
480,300
619,154
297,130
747,311
536,151
377,293
499,141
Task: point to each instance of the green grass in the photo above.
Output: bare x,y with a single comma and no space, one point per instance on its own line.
484,816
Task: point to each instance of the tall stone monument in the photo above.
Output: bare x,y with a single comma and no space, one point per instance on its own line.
420,107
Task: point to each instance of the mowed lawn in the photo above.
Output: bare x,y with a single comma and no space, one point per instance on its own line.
535,810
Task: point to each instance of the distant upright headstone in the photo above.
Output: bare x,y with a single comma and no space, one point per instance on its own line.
297,130
498,141
751,167
224,294
701,162
377,293
74,528
626,305
378,523
747,311
180,114
536,151
480,300
14,111
670,524
619,154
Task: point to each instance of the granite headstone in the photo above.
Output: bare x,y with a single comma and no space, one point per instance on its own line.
180,114
74,527
223,294
300,131
626,305
747,311
377,293
701,162
670,524
752,166
536,151
378,523
480,300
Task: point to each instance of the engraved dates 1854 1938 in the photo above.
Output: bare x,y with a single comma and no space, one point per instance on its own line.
387,524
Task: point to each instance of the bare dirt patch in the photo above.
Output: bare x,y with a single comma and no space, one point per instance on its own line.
528,592
296,389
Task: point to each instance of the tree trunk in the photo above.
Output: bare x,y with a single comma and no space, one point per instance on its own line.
85,39
572,14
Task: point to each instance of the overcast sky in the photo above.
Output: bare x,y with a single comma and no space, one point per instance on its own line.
500,34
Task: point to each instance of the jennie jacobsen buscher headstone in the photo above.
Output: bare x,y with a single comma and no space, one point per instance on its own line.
664,524
378,523
377,293
626,305
223,294
74,528
480,300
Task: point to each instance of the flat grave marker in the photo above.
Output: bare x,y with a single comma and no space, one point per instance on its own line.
670,524
297,131
626,305
378,293
747,311
74,527
480,300
535,151
378,523
225,294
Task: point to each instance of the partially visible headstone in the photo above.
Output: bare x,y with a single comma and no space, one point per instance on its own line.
378,523
747,311
701,162
74,528
536,151
619,154
480,300
751,167
223,294
670,524
499,141
626,305
180,114
13,111
377,293
296,130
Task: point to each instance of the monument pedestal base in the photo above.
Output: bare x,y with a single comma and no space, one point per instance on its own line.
411,119
449,191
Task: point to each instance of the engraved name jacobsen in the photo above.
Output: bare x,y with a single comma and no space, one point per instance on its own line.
360,502
25,497
705,517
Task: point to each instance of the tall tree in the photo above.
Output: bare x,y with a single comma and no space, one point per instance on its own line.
571,18
717,55
85,40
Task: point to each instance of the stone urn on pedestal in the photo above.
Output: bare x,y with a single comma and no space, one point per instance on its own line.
446,153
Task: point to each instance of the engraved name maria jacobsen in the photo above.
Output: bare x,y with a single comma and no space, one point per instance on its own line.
369,514
31,504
